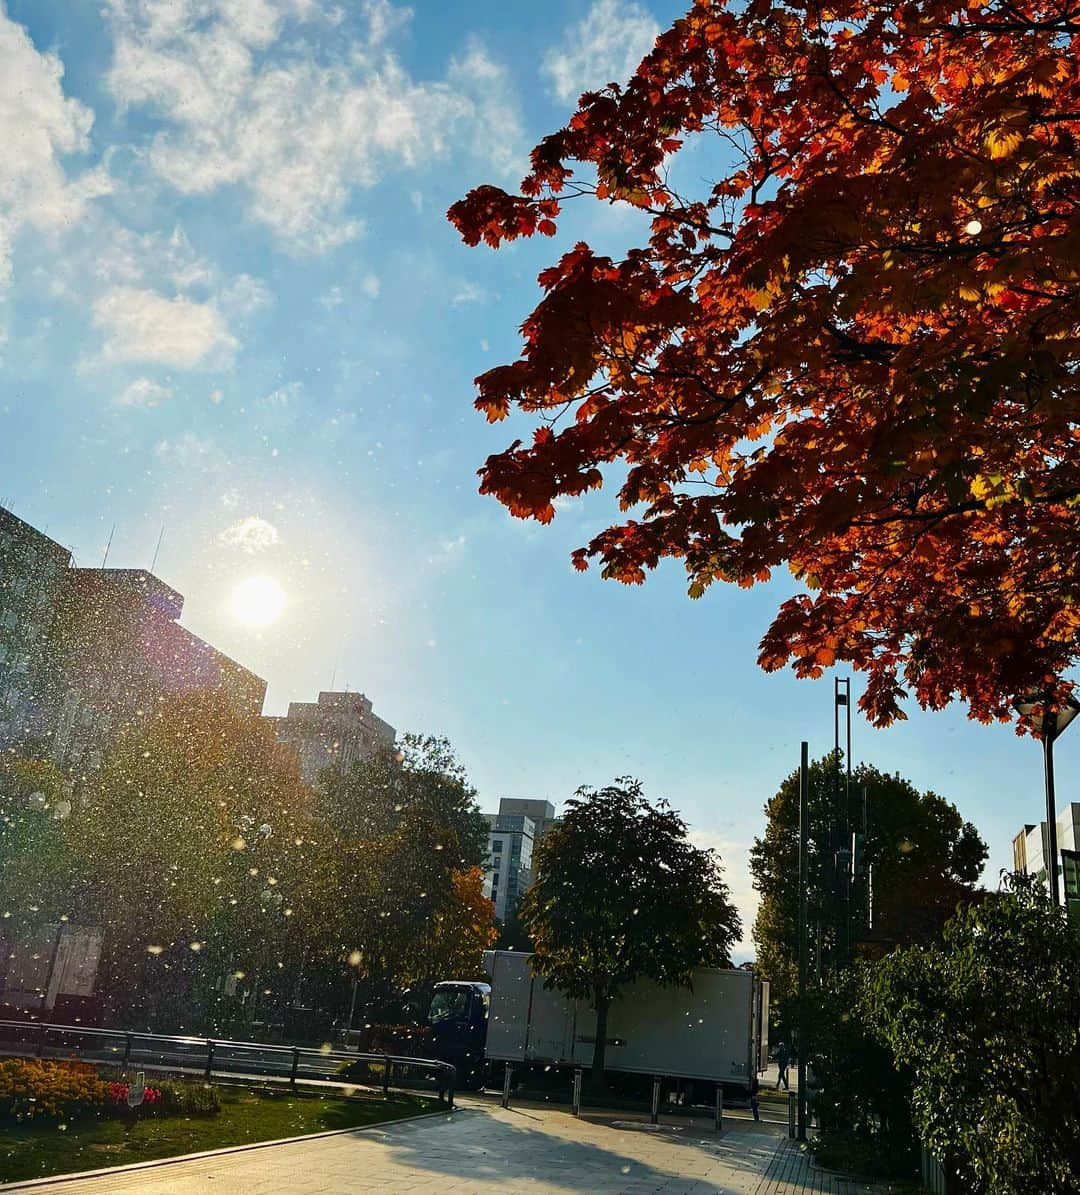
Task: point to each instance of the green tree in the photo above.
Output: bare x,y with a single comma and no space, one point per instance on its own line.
197,831
38,872
403,840
421,780
621,894
925,860
988,1022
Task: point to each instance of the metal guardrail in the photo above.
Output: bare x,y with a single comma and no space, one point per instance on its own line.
212,1057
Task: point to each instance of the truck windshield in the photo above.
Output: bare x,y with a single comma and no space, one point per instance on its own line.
449,1004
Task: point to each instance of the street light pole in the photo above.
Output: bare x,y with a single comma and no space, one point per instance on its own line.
1051,725
804,830
1050,731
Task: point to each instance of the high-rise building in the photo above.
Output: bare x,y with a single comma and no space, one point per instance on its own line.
86,651
119,649
338,729
33,569
515,833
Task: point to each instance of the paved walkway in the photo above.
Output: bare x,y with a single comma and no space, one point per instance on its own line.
485,1149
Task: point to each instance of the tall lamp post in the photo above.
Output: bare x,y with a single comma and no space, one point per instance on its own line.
1051,726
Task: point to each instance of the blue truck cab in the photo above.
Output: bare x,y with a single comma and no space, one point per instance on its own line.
458,1017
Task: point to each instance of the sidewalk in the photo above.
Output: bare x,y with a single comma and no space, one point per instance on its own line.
535,1150
790,1172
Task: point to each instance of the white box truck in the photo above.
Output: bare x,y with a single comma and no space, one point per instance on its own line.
715,1030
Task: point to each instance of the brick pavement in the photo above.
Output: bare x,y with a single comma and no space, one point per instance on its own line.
483,1148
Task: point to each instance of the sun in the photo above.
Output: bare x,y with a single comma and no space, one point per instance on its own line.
257,602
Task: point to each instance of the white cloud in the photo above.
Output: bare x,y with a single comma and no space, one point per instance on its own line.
283,396
448,552
142,325
369,285
143,392
189,452
244,295
468,292
302,129
605,47
250,535
39,125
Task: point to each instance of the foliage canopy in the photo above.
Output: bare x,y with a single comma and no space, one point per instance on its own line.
620,893
853,354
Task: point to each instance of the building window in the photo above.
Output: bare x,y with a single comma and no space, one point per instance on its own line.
497,846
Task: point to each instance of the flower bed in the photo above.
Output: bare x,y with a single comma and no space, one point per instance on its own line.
31,1090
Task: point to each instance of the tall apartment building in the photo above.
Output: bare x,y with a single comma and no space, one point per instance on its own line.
338,729
516,831
33,569
119,649
1030,846
85,651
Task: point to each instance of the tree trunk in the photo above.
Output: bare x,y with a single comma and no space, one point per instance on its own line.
596,1077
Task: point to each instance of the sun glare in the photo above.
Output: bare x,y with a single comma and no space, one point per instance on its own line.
257,602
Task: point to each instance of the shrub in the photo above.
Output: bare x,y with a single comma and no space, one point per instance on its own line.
188,1099
31,1089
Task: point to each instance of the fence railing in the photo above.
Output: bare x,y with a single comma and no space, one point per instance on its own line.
214,1057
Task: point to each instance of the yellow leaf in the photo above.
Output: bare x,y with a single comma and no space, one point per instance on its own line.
1002,142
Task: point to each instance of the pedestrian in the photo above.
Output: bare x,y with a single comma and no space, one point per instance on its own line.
754,1097
783,1061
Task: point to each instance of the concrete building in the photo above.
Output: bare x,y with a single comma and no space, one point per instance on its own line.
1030,846
118,649
33,570
338,729
516,831
86,651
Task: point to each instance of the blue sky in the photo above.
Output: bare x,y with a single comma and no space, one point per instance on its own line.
231,305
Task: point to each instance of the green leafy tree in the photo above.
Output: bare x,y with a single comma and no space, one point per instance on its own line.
621,894
988,1022
925,860
420,781
862,1096
38,872
197,831
403,841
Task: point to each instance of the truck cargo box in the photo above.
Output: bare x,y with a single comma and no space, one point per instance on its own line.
712,1031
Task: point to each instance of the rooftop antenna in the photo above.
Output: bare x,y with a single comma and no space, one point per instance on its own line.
160,537
108,546
333,677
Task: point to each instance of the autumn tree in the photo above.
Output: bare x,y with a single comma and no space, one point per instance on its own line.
851,352
924,858
621,894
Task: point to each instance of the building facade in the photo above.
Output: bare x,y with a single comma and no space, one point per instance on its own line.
1030,846
515,833
119,649
337,730
84,652
33,570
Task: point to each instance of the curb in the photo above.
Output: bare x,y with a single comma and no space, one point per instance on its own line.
27,1184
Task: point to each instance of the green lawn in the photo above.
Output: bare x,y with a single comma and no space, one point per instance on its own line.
245,1116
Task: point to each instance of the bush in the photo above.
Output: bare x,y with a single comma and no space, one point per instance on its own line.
988,1023
188,1099
31,1089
